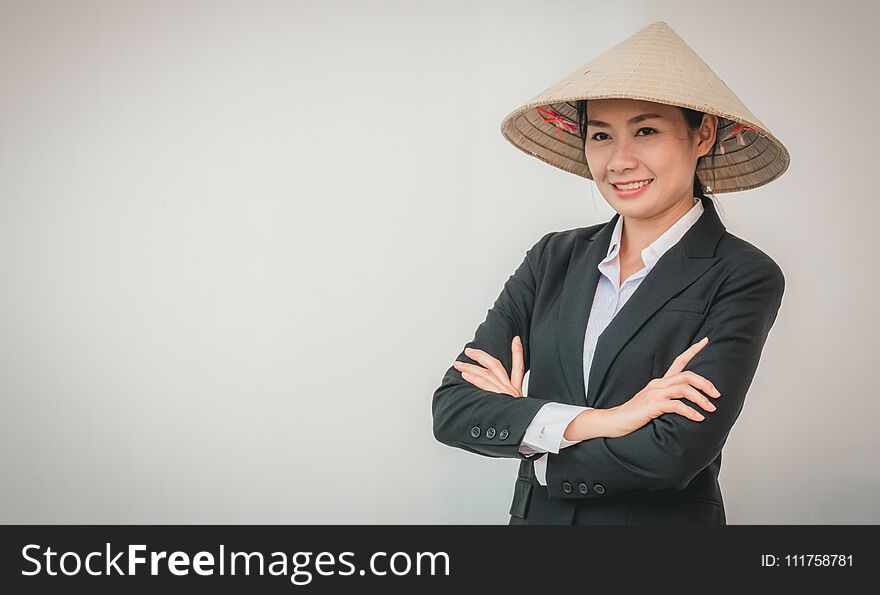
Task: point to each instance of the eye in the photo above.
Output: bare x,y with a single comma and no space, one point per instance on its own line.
653,131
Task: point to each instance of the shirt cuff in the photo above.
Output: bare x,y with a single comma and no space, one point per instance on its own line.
527,450
545,432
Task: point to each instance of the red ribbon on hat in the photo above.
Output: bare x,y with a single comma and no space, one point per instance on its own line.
736,131
561,122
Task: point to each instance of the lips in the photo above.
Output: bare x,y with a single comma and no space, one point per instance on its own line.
618,184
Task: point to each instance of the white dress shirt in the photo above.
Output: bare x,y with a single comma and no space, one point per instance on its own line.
545,432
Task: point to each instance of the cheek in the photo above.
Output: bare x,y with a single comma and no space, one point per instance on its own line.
668,159
593,159
597,168
667,170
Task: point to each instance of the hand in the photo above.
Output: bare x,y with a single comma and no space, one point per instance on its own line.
494,377
661,396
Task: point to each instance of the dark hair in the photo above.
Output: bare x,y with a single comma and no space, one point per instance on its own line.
693,118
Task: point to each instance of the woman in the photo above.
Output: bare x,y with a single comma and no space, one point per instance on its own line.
642,334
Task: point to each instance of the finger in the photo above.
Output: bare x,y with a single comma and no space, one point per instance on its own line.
481,382
690,393
701,382
684,391
477,373
682,360
692,378
478,355
675,406
490,363
517,370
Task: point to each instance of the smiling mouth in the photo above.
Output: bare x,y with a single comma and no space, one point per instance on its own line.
635,186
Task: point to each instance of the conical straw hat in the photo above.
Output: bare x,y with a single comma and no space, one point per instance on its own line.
656,65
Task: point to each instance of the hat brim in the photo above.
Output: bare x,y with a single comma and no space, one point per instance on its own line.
654,65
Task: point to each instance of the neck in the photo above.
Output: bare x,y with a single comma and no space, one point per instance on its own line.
638,234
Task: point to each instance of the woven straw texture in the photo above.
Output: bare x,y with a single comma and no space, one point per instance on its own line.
655,64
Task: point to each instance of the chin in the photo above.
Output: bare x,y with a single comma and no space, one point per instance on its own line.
638,207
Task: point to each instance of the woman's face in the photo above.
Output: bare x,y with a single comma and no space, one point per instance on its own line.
623,145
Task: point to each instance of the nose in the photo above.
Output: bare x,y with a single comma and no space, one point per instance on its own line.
622,157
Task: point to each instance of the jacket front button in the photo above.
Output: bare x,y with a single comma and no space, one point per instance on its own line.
490,433
582,488
599,488
566,487
503,434
475,431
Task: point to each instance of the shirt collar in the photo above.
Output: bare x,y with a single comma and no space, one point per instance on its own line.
652,253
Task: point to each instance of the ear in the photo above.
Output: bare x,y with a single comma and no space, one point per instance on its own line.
707,134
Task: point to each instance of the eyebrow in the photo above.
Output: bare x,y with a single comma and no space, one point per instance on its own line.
634,120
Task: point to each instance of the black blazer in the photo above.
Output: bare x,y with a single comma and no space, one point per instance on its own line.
710,283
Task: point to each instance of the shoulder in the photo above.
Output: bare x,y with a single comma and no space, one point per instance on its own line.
742,259
586,233
557,246
563,241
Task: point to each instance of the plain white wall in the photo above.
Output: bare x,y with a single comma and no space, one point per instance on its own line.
241,242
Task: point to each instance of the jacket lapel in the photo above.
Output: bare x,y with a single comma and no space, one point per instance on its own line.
679,267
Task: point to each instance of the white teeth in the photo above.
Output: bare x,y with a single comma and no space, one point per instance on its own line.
633,186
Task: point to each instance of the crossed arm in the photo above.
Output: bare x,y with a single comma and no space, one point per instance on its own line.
667,452
481,421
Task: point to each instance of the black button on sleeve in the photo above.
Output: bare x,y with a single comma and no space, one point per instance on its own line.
503,434
582,488
599,488
475,431
490,433
566,487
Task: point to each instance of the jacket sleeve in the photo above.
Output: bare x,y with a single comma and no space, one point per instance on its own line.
670,450
485,422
